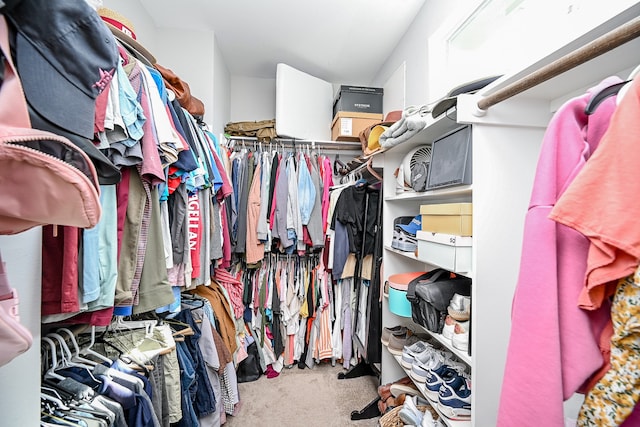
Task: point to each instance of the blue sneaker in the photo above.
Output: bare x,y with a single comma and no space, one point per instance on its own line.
435,378
454,398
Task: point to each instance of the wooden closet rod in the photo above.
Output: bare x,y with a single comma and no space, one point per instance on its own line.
597,47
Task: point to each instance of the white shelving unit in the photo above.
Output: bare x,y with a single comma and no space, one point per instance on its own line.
505,144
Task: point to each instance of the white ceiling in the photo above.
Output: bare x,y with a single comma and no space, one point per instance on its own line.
341,41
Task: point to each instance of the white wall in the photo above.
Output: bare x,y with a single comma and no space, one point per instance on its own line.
253,98
222,91
413,49
190,54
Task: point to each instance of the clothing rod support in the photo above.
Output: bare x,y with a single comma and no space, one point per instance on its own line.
597,47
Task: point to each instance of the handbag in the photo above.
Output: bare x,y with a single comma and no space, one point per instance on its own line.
249,369
15,339
430,295
44,178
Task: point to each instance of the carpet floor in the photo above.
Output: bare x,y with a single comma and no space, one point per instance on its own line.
305,398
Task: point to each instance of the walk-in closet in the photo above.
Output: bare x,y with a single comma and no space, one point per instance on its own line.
413,213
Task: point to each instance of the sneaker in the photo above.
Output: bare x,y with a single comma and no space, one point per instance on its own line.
449,326
398,342
459,307
410,414
436,377
427,420
403,241
409,352
454,398
413,227
420,369
387,332
460,339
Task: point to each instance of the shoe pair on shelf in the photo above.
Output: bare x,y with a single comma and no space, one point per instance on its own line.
411,415
404,234
449,387
456,324
397,337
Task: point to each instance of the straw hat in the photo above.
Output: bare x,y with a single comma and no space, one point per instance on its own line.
123,29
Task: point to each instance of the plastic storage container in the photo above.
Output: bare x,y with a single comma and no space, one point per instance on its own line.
398,283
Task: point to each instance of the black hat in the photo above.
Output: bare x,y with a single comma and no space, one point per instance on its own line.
65,56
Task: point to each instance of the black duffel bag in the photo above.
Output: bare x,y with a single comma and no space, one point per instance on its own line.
430,295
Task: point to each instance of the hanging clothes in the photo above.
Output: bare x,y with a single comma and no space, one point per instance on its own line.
561,340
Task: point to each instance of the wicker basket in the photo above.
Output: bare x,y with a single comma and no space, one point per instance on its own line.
392,417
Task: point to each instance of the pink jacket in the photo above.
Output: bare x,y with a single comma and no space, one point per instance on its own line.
609,185
553,347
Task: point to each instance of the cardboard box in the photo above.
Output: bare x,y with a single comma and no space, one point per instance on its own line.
448,251
347,126
358,99
448,218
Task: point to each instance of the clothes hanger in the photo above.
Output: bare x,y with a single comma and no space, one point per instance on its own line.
89,349
605,93
54,360
76,356
53,399
343,168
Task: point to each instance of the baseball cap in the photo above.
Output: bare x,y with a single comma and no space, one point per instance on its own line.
413,227
65,57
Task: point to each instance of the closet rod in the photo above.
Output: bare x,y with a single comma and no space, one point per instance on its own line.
327,145
597,47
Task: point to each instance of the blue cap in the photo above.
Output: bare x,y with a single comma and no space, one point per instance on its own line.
413,227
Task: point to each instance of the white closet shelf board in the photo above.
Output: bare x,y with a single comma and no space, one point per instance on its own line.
405,254
303,104
451,195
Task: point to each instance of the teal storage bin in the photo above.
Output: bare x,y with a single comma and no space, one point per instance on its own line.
398,284
398,302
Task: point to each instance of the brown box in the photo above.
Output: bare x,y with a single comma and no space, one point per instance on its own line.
347,125
448,218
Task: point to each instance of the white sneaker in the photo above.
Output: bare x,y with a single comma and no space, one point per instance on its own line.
460,339
427,420
449,326
410,414
459,307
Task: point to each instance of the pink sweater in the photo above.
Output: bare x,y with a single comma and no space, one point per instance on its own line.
553,347
602,203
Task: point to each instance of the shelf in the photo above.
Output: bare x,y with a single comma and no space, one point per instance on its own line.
421,387
462,355
462,191
410,255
